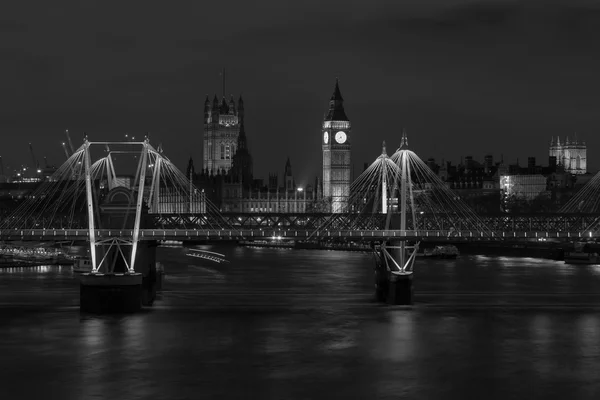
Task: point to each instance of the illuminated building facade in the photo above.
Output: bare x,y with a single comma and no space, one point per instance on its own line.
222,124
336,145
521,188
571,155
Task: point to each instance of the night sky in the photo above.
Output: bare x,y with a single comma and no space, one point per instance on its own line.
463,77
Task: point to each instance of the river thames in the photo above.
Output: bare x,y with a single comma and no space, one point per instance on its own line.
302,324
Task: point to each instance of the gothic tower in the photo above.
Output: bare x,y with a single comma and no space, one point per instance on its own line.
336,144
221,131
571,155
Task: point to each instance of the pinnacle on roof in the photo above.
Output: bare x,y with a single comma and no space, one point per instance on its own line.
288,168
383,151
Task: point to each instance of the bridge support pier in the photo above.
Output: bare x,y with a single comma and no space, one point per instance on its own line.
400,288
110,293
394,275
393,287
120,291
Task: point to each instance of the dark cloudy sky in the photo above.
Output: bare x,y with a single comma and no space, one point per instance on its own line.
464,77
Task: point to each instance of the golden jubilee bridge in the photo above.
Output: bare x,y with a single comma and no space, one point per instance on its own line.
396,203
395,197
328,227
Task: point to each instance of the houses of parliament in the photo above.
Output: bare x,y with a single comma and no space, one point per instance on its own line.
227,168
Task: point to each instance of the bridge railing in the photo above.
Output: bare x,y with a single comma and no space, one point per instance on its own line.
285,234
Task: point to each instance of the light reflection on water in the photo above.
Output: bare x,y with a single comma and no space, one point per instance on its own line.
284,324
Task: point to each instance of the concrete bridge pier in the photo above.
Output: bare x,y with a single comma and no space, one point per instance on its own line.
122,291
393,285
400,290
112,293
115,287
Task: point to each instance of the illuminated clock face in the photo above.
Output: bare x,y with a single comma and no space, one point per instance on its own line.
340,137
326,137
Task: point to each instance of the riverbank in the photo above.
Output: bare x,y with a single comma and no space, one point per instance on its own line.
553,251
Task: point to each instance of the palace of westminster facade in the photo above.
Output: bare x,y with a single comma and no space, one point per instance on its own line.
227,177
227,169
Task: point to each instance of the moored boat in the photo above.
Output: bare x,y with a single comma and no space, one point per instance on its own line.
580,257
444,251
82,265
582,253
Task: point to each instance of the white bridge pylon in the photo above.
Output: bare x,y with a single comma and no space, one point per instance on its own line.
145,152
166,180
402,262
89,184
413,198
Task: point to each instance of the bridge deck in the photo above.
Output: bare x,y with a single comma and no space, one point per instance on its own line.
283,234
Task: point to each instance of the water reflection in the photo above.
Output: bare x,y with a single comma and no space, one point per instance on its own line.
588,328
595,270
400,338
287,324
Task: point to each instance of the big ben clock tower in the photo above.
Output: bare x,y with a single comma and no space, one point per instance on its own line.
336,153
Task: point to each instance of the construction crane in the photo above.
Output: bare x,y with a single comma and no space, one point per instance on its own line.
36,165
71,149
2,177
64,146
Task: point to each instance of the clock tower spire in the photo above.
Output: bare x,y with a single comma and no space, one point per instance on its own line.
336,146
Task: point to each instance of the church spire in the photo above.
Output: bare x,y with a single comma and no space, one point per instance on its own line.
288,167
191,171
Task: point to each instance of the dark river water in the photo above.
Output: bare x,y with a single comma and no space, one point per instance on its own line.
301,324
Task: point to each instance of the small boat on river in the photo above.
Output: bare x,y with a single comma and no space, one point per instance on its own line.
445,251
582,258
582,254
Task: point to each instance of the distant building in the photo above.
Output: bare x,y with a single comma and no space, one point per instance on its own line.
521,192
237,192
222,125
526,187
570,155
